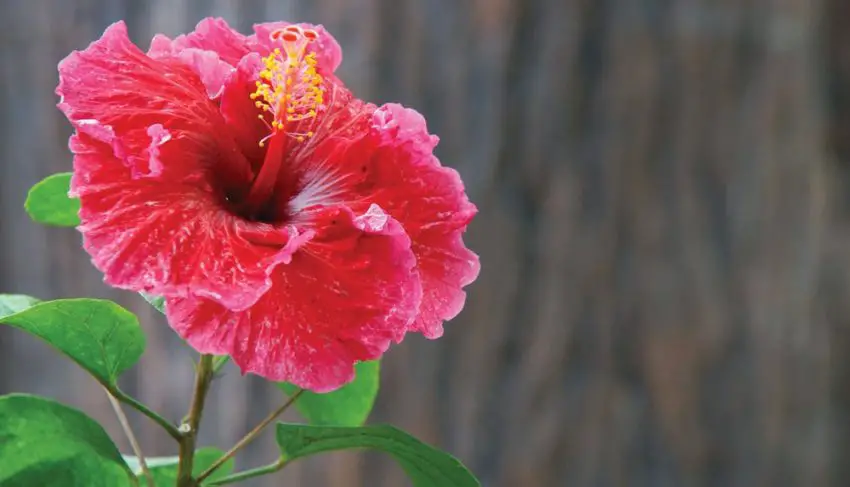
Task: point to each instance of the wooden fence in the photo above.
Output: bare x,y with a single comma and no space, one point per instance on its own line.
664,232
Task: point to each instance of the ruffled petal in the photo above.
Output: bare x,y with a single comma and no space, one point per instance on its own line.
154,168
214,34
349,290
445,266
213,72
212,51
385,156
115,94
328,52
431,203
171,239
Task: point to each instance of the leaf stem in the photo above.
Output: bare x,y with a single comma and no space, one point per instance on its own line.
134,444
189,429
249,474
156,418
250,436
220,362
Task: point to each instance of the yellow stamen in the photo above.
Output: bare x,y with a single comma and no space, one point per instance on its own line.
289,87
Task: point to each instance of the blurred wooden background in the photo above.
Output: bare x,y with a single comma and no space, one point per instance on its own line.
664,232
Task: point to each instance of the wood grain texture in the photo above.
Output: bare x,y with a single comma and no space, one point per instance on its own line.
663,230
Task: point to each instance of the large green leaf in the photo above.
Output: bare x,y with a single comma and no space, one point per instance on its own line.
349,405
164,469
13,303
102,337
47,444
425,465
48,202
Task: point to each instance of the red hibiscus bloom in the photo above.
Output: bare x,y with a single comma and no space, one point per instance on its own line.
287,223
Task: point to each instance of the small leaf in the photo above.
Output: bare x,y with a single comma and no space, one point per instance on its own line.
48,444
48,202
13,303
349,405
100,336
157,302
164,469
425,465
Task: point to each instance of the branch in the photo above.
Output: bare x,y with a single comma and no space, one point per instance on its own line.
250,436
134,444
189,429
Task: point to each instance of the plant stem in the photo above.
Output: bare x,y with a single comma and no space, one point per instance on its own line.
134,444
220,362
250,436
189,429
249,474
156,418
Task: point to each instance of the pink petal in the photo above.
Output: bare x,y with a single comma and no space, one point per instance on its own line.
385,156
344,296
153,167
445,266
161,45
173,239
430,202
212,51
214,34
209,67
328,52
159,136
114,93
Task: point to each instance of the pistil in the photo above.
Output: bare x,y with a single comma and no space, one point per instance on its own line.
290,96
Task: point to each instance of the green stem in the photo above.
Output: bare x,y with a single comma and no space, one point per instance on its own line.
189,428
131,437
220,362
156,418
249,474
250,436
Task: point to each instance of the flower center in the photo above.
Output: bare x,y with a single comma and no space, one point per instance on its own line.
290,95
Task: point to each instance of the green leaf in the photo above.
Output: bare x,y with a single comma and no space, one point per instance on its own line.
48,444
100,336
164,469
425,465
13,303
349,405
157,302
48,202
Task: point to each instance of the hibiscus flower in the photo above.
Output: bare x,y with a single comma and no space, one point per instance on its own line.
287,223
